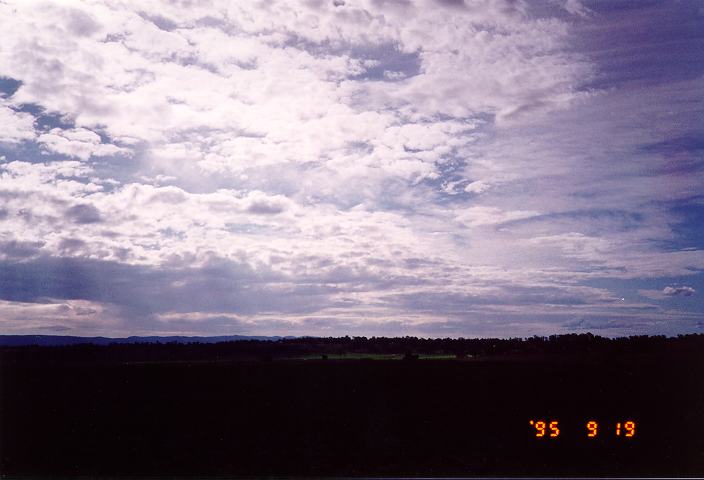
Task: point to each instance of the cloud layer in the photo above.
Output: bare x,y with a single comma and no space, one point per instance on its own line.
367,167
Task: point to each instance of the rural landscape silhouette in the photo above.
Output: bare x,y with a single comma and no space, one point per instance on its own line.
354,406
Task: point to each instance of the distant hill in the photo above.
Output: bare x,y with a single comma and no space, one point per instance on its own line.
56,340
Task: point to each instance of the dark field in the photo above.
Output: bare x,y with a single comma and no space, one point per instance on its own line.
355,417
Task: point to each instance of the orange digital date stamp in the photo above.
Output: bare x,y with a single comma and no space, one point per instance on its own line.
551,429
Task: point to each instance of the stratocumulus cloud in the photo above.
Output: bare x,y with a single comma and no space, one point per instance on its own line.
333,167
683,291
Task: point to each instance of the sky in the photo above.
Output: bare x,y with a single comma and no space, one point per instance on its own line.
436,168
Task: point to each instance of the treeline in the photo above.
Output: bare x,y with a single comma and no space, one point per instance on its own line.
309,347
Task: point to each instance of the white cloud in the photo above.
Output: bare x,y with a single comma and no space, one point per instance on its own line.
365,159
16,126
57,317
77,142
575,7
141,81
679,291
477,187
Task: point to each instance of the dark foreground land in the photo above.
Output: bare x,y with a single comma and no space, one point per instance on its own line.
170,410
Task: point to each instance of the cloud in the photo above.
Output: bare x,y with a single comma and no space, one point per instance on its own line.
54,328
680,291
20,250
260,203
575,7
295,167
57,316
477,187
17,126
83,214
77,142
668,292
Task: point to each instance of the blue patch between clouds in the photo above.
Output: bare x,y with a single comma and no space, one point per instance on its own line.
8,86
